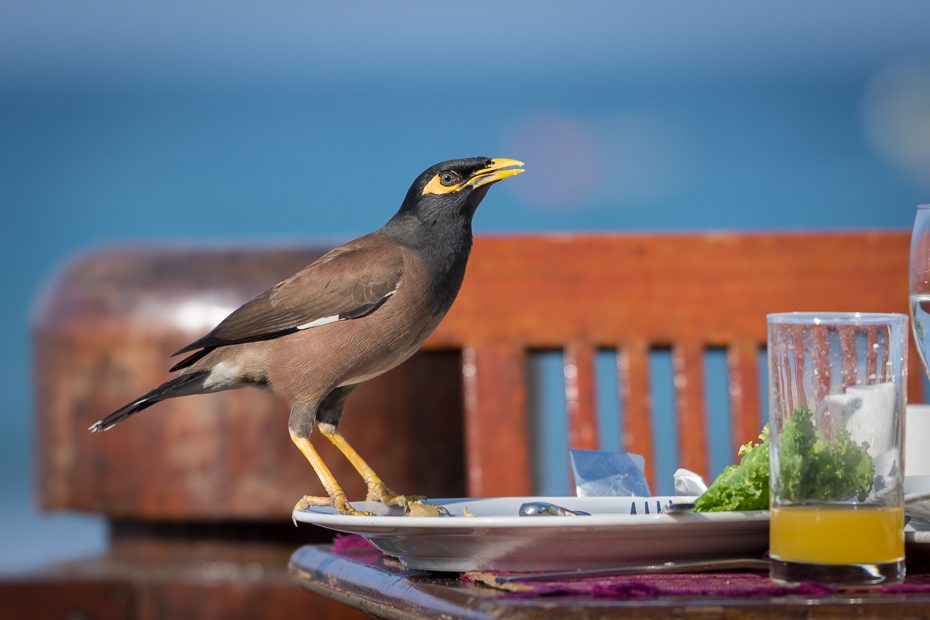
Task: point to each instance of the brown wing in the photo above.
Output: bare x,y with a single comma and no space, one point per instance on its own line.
348,282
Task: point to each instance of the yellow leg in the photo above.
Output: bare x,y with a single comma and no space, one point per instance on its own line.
376,489
337,497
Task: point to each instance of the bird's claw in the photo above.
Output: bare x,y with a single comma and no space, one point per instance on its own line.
419,509
412,504
378,492
345,508
308,501
402,501
340,503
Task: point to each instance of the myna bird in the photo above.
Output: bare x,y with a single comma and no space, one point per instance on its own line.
353,314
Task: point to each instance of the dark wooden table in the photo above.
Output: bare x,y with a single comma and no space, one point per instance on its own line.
381,586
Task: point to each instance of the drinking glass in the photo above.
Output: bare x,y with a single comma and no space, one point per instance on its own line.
837,390
919,288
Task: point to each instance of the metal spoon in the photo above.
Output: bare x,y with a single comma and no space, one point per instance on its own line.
678,508
545,509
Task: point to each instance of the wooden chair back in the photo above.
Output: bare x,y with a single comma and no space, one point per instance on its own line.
634,293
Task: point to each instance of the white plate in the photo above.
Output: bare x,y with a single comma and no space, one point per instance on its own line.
498,539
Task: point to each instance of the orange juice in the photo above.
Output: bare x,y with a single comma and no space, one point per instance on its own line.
837,534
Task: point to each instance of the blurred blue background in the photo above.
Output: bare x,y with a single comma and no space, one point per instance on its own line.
219,121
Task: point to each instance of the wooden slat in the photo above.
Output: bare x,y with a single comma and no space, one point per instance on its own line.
796,340
779,367
496,428
633,376
849,357
743,381
874,366
819,350
580,401
547,290
688,366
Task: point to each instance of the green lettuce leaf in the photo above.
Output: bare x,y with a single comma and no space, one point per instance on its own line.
744,486
809,468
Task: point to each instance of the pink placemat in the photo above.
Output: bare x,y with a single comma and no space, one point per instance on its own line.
734,584
737,584
349,543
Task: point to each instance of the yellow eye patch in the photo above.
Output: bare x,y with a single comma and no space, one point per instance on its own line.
436,187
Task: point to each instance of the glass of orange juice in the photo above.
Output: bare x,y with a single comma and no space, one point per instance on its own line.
837,390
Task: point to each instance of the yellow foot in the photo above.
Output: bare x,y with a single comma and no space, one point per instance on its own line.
340,503
412,504
377,492
308,500
419,509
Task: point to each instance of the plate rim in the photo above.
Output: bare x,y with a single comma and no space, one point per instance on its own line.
320,516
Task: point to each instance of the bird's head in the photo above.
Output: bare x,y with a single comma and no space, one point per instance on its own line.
453,189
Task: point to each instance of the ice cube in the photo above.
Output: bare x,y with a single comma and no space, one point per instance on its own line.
866,411
833,412
873,420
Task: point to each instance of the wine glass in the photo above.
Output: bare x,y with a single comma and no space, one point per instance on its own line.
919,286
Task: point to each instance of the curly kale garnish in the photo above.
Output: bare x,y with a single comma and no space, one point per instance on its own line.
809,468
744,486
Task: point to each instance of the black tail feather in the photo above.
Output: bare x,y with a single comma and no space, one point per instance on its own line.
190,359
145,401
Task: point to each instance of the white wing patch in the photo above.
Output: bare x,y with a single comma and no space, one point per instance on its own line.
326,320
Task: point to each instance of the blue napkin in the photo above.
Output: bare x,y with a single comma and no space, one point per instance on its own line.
604,474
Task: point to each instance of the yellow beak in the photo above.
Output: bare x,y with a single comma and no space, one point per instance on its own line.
499,169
